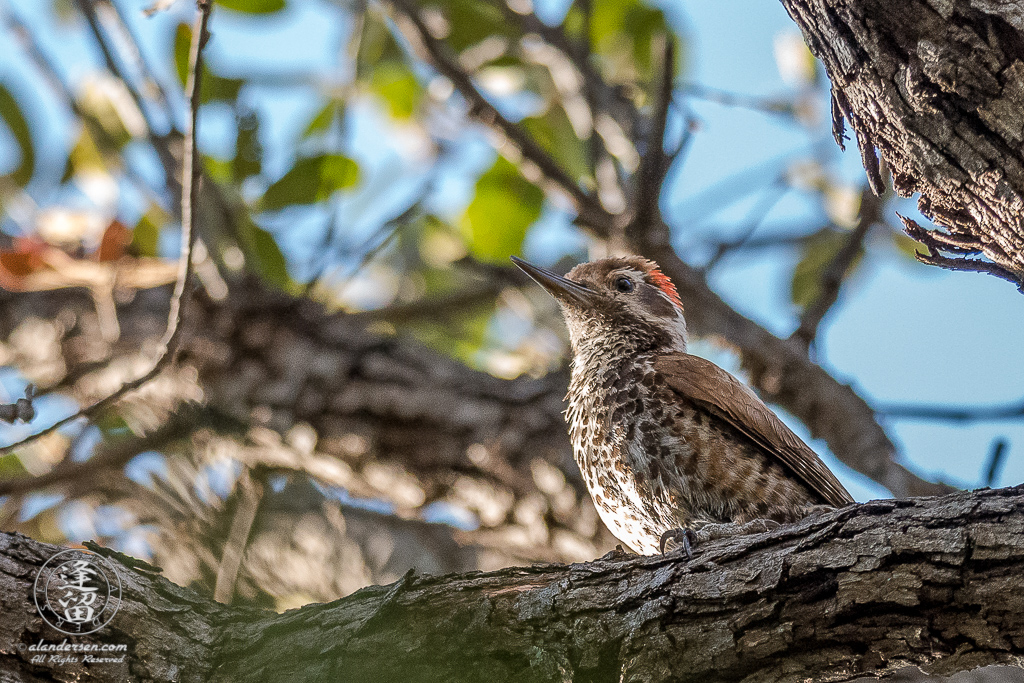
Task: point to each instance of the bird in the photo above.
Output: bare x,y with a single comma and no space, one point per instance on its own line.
673,449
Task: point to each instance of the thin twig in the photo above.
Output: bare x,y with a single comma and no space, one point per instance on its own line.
691,124
1010,411
836,271
250,489
995,461
937,241
777,106
112,59
142,63
190,185
436,52
112,455
753,220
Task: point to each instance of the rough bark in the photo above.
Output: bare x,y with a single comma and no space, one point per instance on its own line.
937,88
863,590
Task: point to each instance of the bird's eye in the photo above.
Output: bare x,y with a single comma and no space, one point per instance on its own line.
624,284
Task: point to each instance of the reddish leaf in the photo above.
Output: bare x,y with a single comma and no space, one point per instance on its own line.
20,262
114,244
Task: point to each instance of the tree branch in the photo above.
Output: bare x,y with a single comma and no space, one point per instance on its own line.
937,241
864,590
436,53
1010,411
654,165
835,272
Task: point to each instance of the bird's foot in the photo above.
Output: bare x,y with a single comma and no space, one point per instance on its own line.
684,538
688,539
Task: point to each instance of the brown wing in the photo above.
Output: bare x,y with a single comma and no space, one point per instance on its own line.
715,390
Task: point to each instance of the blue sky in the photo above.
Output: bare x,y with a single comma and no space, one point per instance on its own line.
902,332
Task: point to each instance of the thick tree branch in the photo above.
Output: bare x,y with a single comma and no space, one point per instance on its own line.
860,591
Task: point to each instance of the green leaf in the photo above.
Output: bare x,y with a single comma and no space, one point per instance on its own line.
219,89
262,255
555,134
12,115
311,180
218,169
85,155
112,424
622,34
504,207
213,88
470,21
10,467
324,119
248,159
182,42
906,245
396,84
376,46
818,252
146,235
252,6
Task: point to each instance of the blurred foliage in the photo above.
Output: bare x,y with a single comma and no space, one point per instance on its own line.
817,253
412,219
311,180
504,206
12,115
252,6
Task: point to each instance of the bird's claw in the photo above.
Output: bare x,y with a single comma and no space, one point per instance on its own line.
684,537
688,538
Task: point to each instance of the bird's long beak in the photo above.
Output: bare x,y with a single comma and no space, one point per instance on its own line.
565,291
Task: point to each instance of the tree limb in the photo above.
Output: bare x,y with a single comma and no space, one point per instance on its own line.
654,165
864,590
935,88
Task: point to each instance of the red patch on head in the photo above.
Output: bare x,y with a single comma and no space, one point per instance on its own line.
662,282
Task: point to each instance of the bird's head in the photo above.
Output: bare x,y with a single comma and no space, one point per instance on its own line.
624,301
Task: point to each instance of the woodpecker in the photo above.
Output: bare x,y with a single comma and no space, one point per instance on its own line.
671,446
